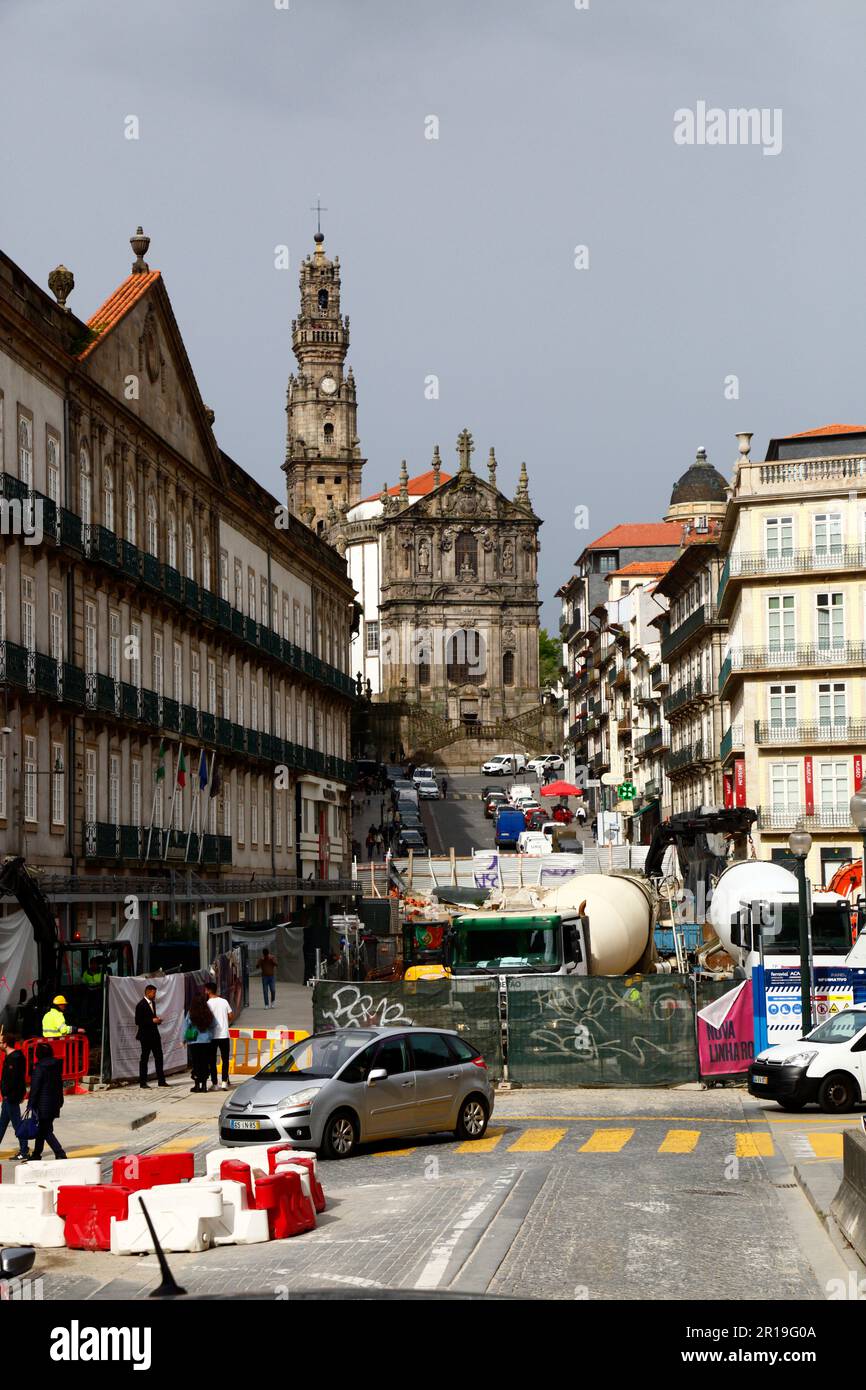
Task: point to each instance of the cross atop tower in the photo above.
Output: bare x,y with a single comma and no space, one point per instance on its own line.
465,446
318,210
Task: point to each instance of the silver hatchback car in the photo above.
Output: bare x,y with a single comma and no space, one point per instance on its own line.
336,1090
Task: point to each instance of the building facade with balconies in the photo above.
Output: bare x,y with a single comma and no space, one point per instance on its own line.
174,645
692,645
793,681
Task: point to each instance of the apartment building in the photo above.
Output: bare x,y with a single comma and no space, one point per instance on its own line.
693,638
174,645
793,595
587,639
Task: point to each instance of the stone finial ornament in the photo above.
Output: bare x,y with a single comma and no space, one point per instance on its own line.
491,467
436,465
465,446
404,483
61,283
522,494
140,244
744,445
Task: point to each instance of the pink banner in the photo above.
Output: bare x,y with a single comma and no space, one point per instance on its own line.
726,1045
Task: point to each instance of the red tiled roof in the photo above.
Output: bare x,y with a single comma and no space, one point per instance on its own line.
639,533
117,306
652,567
417,487
828,429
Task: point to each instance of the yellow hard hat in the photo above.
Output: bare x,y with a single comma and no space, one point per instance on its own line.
58,999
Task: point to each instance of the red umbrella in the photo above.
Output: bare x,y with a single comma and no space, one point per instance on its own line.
561,789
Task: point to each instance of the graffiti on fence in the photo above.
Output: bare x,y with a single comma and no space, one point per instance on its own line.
352,1008
633,1023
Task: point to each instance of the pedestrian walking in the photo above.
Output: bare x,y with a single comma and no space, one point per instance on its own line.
444,788
13,1087
198,1035
370,843
147,1022
46,1100
222,1017
380,845
268,969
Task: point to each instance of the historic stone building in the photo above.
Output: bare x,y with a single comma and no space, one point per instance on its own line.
444,567
162,627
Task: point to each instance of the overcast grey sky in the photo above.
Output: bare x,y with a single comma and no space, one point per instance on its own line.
556,130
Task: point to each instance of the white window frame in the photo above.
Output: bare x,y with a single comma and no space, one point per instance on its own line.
831,610
31,780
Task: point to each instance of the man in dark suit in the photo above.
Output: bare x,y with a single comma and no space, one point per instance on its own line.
147,1022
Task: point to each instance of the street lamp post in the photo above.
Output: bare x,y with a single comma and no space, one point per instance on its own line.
858,816
799,843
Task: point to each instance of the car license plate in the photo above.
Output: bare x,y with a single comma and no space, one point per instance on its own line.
245,1124
760,1080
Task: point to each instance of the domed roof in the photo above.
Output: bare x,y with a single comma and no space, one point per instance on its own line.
700,483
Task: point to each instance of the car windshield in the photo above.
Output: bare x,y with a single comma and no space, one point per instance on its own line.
840,1028
320,1056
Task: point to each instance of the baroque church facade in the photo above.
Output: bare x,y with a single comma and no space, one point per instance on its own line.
444,565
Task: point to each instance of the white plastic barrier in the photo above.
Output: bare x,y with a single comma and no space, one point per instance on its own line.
27,1216
256,1155
186,1217
80,1172
241,1224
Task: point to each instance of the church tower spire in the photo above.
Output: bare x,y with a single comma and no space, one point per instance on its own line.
323,461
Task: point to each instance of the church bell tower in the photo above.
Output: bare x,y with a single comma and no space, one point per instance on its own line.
323,452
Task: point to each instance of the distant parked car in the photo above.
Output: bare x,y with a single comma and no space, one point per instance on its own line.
509,824
423,774
548,762
428,790
410,839
494,800
536,820
534,843
336,1090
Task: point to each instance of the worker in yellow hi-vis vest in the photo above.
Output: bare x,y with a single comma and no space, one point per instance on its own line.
54,1023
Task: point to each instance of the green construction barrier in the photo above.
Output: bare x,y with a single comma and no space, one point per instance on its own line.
603,1031
469,1007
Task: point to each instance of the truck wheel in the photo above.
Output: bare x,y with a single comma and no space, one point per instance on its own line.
837,1093
473,1117
340,1135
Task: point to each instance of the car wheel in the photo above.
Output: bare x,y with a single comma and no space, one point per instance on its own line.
791,1104
837,1093
340,1135
473,1117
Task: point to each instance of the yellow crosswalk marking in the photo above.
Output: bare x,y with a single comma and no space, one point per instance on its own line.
757,1144
177,1146
392,1153
826,1145
679,1141
537,1141
92,1151
482,1146
606,1141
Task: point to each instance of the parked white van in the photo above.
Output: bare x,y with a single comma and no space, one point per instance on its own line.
504,764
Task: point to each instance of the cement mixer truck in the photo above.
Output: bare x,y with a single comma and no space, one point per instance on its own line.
592,924
755,904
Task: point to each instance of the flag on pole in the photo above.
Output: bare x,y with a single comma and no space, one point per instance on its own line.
202,771
160,763
181,769
215,780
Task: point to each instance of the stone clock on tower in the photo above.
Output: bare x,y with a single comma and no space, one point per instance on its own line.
323,452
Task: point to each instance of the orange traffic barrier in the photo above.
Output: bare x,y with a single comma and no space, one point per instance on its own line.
72,1051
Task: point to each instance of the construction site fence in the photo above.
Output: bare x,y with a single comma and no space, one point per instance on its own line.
469,1007
611,1030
